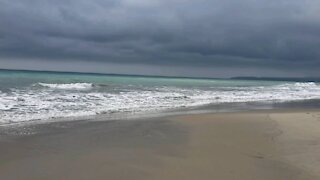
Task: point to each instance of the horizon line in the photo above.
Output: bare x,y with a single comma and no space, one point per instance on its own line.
164,76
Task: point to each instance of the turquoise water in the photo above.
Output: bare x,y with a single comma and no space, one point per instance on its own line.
30,95
9,79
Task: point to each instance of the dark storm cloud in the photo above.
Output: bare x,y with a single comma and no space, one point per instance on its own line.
248,33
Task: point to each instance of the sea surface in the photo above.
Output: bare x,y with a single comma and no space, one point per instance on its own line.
42,96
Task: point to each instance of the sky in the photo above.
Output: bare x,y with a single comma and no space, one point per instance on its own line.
197,38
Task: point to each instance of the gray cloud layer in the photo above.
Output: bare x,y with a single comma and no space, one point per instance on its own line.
256,34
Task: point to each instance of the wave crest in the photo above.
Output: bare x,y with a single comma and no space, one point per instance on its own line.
70,86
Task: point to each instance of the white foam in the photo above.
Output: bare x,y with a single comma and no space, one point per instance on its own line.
43,103
77,86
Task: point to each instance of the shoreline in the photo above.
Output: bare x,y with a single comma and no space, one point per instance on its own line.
235,107
266,144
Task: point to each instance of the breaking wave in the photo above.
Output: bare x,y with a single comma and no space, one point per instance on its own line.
71,86
44,103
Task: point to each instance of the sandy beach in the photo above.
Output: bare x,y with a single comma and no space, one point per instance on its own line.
159,90
277,145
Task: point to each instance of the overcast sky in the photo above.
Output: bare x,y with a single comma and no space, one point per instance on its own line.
214,38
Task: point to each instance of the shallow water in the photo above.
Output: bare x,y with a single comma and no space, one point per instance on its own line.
32,96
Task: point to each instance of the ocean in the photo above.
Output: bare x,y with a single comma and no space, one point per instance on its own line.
27,96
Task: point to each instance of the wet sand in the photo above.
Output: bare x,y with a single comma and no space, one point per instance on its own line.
246,145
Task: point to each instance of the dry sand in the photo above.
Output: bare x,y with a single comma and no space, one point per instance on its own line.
250,145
